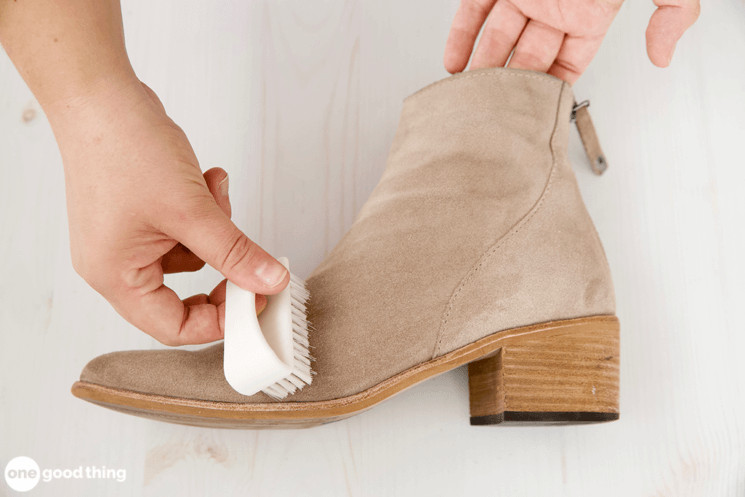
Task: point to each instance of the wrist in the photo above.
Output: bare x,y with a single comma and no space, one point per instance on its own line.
110,108
94,104
81,91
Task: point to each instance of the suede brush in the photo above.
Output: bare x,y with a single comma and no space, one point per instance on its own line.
268,353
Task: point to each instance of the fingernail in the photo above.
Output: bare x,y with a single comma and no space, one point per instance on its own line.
271,273
223,186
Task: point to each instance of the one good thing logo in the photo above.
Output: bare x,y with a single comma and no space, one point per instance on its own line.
23,474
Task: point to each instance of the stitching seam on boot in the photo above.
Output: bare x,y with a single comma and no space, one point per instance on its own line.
507,236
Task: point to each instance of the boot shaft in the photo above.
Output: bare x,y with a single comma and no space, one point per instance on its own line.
495,142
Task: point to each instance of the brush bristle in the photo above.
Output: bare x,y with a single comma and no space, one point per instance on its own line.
302,374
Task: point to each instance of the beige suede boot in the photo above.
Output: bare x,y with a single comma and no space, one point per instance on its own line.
475,248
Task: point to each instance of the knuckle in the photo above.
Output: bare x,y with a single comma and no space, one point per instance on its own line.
143,280
530,59
166,332
198,204
241,251
171,335
88,269
568,66
497,36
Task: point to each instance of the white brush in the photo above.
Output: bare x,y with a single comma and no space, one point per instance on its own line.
269,353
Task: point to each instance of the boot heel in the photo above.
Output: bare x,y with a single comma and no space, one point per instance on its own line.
561,375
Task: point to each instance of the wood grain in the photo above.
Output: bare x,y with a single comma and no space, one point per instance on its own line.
550,379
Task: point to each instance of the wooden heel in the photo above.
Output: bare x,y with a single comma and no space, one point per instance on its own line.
564,375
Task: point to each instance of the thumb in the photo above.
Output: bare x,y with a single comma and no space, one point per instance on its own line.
213,237
667,24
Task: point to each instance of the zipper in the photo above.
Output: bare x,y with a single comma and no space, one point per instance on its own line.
581,117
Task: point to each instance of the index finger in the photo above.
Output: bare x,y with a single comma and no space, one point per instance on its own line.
465,29
163,315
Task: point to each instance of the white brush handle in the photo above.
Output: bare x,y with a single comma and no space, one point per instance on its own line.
258,351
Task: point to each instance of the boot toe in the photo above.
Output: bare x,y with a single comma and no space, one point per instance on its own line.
183,374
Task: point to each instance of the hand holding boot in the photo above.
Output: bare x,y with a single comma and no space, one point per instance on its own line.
559,37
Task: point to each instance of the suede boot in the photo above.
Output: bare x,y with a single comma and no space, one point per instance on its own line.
475,248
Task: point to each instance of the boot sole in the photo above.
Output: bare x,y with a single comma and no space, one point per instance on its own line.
558,372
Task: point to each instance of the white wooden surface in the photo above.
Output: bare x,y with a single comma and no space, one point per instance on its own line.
299,100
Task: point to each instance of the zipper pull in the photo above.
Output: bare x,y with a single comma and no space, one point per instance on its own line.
581,117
